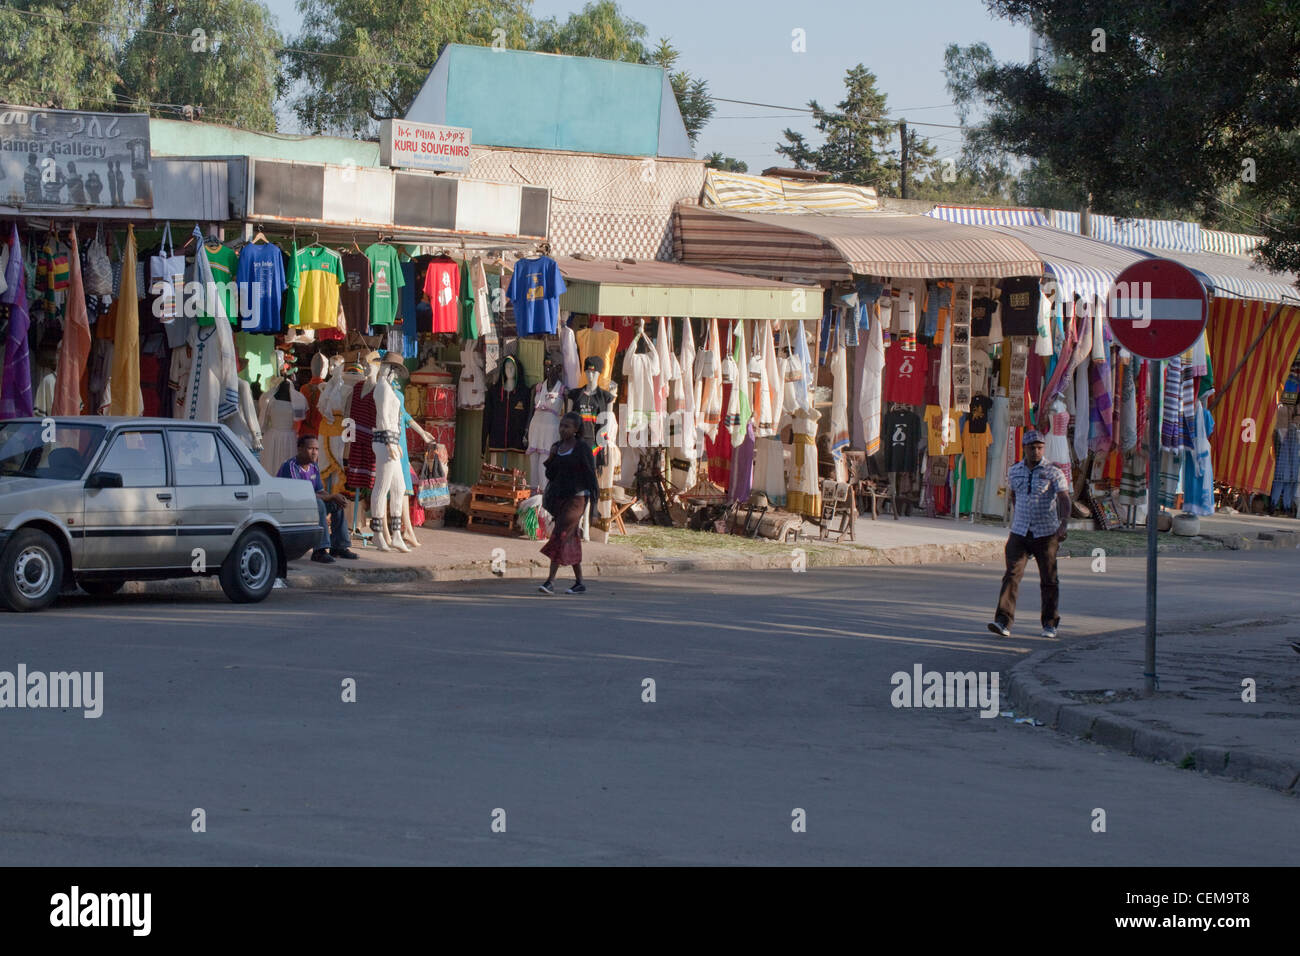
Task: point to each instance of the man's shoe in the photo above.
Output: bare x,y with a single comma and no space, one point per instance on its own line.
546,588
577,589
1000,629
346,553
1049,633
322,556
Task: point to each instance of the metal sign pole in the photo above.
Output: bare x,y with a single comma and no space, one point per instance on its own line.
1153,510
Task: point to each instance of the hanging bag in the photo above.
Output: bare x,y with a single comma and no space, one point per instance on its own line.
431,487
167,277
98,274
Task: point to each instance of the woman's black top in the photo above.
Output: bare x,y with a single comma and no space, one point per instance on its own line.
566,475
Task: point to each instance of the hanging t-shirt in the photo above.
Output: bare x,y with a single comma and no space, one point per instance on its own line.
261,280
939,443
934,359
406,307
905,374
386,283
442,287
975,446
224,263
356,291
1019,305
535,290
978,421
981,317
900,437
320,273
469,329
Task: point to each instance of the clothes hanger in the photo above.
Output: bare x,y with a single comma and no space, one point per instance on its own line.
260,236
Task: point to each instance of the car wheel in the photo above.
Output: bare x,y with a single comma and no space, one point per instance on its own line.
31,571
248,573
101,588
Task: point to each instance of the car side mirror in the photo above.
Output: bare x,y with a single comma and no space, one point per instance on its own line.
104,479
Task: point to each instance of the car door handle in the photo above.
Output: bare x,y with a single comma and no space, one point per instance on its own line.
241,495
164,496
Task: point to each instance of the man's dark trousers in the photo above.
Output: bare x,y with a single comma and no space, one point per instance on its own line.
1019,548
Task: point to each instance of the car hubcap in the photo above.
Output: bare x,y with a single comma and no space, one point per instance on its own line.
34,573
254,567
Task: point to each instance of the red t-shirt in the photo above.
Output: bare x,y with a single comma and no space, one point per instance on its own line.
442,288
905,375
934,357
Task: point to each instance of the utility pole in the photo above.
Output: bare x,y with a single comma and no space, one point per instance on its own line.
902,132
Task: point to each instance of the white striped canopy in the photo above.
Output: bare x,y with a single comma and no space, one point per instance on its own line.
989,215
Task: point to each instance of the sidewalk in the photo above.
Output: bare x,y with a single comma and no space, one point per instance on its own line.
1197,720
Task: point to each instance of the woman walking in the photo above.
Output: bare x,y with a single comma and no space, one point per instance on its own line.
570,490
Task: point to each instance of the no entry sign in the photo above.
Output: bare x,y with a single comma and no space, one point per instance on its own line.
1157,308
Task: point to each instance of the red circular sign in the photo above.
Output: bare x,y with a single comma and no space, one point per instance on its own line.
1157,308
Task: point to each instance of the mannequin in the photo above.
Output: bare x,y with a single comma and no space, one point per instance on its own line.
245,425
544,428
359,411
330,406
1058,446
505,419
408,526
282,407
591,402
389,487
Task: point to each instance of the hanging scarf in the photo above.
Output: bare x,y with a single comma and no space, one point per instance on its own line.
124,382
688,395
74,350
739,410
839,402
1171,412
775,381
16,386
711,385
870,408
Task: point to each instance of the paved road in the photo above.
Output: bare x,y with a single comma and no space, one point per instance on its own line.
773,693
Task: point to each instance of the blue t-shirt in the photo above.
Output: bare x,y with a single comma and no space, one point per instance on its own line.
261,286
307,472
535,290
406,310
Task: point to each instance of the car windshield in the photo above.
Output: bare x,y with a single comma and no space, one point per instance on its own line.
51,449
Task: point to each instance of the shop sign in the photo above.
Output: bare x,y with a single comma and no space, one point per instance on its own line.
424,146
70,159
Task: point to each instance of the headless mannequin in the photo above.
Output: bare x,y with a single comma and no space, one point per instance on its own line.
408,527
390,487
330,405
372,375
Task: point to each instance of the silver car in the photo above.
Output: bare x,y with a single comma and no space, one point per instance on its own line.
101,501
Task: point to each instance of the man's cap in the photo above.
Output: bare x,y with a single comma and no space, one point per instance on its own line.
1032,438
594,361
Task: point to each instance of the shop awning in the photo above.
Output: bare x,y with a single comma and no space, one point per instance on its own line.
989,215
614,287
819,248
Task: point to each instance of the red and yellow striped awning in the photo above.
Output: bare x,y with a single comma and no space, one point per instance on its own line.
1253,395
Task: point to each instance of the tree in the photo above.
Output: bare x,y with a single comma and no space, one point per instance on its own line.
1135,107
599,30
359,61
220,55
49,60
857,147
693,100
727,164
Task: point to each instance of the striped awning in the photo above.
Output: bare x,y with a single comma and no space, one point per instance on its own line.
1234,276
1228,243
1157,233
1081,266
989,215
828,248
745,193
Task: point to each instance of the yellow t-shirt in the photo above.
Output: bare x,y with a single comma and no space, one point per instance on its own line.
320,273
975,446
603,343
934,428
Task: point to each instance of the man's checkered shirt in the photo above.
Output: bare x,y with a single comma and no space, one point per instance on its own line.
1035,490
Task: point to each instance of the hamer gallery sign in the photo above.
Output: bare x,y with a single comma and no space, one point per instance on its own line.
69,159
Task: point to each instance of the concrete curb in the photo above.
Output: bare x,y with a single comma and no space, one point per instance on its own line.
1030,695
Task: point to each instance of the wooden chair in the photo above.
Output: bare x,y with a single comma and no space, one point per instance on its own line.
839,501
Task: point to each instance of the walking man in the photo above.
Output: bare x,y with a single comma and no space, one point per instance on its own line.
1040,498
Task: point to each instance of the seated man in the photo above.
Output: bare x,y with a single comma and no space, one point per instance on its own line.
333,544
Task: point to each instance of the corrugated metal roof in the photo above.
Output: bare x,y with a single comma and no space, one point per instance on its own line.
820,248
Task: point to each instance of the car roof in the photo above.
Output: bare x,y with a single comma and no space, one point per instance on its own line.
115,421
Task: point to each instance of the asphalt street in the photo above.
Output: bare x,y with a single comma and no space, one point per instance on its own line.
773,693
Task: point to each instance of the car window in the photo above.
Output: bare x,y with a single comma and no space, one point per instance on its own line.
139,458
233,473
194,457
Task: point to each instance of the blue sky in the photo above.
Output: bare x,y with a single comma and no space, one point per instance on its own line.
744,51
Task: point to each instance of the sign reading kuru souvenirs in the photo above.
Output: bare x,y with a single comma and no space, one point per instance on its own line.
424,146
70,159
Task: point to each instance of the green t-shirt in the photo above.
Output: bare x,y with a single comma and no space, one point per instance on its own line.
468,320
386,272
224,263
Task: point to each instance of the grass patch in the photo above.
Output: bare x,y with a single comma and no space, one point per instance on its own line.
1187,763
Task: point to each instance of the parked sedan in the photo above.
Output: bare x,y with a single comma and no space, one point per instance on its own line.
101,501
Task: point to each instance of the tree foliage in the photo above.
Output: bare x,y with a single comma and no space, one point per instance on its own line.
49,60
1154,107
598,30
220,56
728,164
858,140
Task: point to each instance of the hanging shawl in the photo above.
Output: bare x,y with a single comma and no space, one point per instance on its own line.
568,350
804,359
739,410
210,392
685,395
1171,411
839,401
945,371
869,396
74,350
662,381
775,381
710,404
1101,414
760,399
1043,340
16,386
124,381
1057,378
